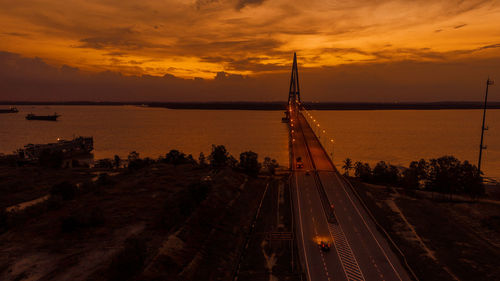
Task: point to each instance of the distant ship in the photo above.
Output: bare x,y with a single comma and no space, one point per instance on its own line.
10,110
32,116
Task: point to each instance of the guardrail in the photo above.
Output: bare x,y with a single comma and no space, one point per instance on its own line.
325,138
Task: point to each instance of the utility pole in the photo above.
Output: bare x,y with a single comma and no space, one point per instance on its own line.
481,147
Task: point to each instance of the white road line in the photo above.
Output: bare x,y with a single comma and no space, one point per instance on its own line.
364,222
346,256
301,229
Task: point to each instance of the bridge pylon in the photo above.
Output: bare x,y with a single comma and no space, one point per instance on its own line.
294,92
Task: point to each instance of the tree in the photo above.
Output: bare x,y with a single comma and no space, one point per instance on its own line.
270,165
249,163
347,166
202,160
175,157
232,162
363,171
117,161
444,175
416,175
470,180
133,156
134,162
385,174
219,156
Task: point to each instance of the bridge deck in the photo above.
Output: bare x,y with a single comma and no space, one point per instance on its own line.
359,251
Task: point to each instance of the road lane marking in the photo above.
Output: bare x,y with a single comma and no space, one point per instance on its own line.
344,251
364,222
301,228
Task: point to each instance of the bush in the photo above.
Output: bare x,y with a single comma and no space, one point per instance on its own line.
270,165
249,163
66,190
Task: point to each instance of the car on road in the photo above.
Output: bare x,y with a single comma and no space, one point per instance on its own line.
300,165
324,246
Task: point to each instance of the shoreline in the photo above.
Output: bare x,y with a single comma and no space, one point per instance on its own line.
443,105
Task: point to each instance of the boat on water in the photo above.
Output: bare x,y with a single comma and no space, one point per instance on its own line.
68,148
10,110
32,116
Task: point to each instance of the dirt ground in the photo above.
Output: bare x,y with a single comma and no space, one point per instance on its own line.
149,224
441,240
268,259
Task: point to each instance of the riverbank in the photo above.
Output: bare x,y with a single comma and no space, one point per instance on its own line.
442,240
281,105
158,222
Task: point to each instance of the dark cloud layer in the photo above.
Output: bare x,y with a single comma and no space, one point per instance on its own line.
31,79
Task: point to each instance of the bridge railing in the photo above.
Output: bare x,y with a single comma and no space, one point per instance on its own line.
325,137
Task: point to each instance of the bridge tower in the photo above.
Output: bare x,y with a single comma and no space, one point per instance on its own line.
294,92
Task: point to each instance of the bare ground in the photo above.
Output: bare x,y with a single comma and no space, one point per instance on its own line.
441,240
136,226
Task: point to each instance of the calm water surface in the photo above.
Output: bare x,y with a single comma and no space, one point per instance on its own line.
150,131
401,136
396,136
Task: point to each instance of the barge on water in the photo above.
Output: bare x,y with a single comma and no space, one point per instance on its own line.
67,148
10,110
32,116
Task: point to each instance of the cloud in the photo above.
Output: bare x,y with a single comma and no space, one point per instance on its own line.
247,37
31,79
243,3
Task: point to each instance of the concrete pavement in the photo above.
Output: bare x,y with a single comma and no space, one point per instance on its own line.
359,251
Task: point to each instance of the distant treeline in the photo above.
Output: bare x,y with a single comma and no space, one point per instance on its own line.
444,175
280,105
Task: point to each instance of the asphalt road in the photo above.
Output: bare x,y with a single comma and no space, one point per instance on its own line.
359,251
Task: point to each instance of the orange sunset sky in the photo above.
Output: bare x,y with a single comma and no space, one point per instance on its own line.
241,50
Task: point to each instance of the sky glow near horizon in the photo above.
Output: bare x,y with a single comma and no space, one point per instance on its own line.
251,37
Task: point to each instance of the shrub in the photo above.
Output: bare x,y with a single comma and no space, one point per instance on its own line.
270,165
249,163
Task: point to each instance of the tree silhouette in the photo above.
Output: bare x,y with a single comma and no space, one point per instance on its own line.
219,156
249,163
347,166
